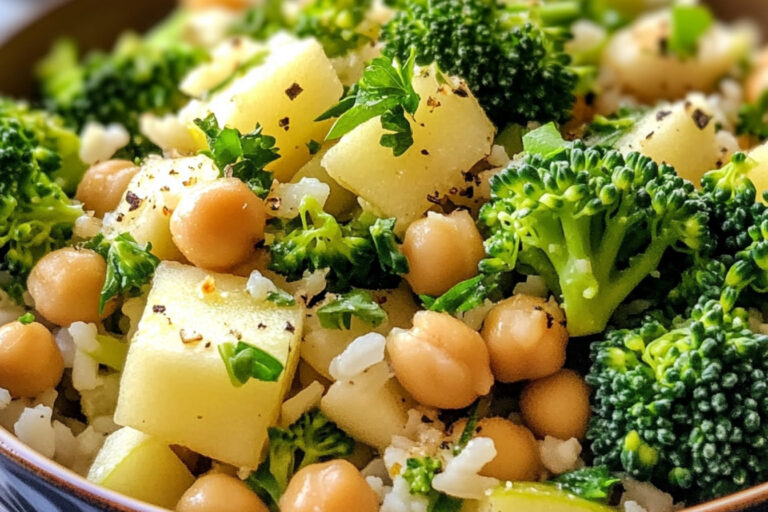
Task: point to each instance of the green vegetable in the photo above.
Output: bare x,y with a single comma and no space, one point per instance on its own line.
241,156
753,118
338,313
592,222
464,296
27,318
110,352
62,162
316,240
281,298
140,75
683,406
129,266
334,24
384,239
591,483
512,61
419,473
544,140
689,23
36,216
262,21
245,362
385,90
607,131
312,438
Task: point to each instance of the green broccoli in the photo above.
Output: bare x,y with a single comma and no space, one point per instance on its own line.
129,265
753,118
354,252
512,62
419,473
36,216
683,406
64,166
312,438
334,23
139,75
592,222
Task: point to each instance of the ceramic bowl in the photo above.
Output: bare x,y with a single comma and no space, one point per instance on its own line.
30,482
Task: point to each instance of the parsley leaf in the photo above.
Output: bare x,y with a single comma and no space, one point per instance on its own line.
591,483
338,313
240,156
27,318
385,91
262,21
129,265
607,131
689,23
385,241
463,296
281,298
244,361
544,140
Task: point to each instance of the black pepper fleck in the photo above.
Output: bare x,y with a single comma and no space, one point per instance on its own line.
293,91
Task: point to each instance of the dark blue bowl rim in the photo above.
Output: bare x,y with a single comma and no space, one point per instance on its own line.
42,467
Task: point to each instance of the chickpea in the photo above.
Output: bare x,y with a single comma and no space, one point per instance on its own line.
557,405
66,286
104,184
526,338
217,492
441,362
30,361
217,225
442,250
335,486
517,454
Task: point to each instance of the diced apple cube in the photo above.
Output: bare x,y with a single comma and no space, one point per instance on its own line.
152,196
450,135
141,467
175,385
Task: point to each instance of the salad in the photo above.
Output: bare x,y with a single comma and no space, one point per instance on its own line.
398,256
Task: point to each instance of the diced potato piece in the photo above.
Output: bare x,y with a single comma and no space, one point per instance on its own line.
145,210
682,135
141,467
371,407
451,134
759,175
637,62
321,345
175,385
341,200
295,84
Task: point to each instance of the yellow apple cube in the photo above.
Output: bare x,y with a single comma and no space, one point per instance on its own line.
141,467
450,135
175,385
152,196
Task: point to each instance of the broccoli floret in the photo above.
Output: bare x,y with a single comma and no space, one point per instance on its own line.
140,75
683,406
312,438
514,65
419,473
753,118
592,222
36,216
351,251
334,23
130,266
62,164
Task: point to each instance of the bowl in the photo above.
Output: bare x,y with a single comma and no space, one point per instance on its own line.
31,482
